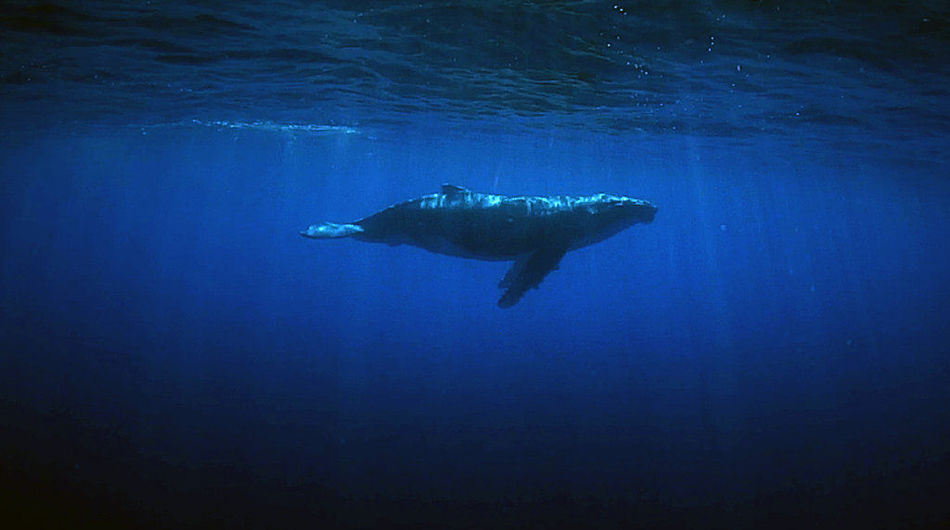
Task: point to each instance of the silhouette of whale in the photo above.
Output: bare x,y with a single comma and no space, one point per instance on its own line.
534,232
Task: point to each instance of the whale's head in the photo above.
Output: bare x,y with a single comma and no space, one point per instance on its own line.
609,214
612,208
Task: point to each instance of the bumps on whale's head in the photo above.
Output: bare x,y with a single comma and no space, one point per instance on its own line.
618,207
645,211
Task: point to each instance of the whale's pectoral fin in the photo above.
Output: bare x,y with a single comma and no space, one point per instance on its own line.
528,272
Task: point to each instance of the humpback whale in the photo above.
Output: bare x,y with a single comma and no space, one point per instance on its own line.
534,232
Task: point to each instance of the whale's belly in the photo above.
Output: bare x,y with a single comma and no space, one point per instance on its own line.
485,239
478,233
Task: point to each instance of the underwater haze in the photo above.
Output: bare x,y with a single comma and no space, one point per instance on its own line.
772,351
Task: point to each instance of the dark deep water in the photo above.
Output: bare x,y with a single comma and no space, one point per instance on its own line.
771,352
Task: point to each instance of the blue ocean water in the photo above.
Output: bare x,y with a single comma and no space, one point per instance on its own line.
772,351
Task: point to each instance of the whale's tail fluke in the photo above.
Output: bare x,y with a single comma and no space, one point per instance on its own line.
331,231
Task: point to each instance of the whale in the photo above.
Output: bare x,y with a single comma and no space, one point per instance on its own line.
533,232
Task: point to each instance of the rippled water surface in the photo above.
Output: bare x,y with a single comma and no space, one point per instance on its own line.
733,69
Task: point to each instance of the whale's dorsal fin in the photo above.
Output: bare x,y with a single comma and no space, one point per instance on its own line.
451,190
528,272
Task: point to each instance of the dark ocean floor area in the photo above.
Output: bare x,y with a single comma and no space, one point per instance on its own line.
42,486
